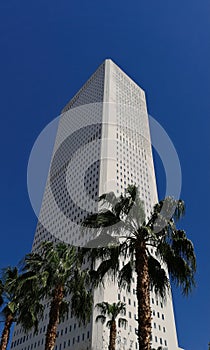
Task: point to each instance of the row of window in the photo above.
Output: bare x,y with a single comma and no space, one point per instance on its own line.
62,345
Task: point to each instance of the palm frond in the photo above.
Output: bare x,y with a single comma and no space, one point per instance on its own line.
126,274
101,318
159,281
183,247
179,210
81,297
108,267
109,323
102,240
103,307
104,218
180,270
111,310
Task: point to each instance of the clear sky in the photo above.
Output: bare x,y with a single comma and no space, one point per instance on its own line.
50,48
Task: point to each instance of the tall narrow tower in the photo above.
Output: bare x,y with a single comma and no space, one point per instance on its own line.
102,144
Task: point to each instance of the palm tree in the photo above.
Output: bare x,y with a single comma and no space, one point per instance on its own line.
7,312
57,272
124,217
112,311
19,303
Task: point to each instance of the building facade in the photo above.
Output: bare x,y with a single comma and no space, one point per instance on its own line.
102,144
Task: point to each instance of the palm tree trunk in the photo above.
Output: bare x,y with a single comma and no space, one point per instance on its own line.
112,336
6,332
53,318
143,297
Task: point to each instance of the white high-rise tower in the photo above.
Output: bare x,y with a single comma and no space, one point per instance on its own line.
102,144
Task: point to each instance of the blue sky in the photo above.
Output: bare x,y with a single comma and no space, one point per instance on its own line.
50,48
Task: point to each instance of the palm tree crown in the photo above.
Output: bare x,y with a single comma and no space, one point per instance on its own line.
112,311
19,302
58,272
125,218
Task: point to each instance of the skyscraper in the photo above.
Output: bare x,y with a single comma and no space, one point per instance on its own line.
102,144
